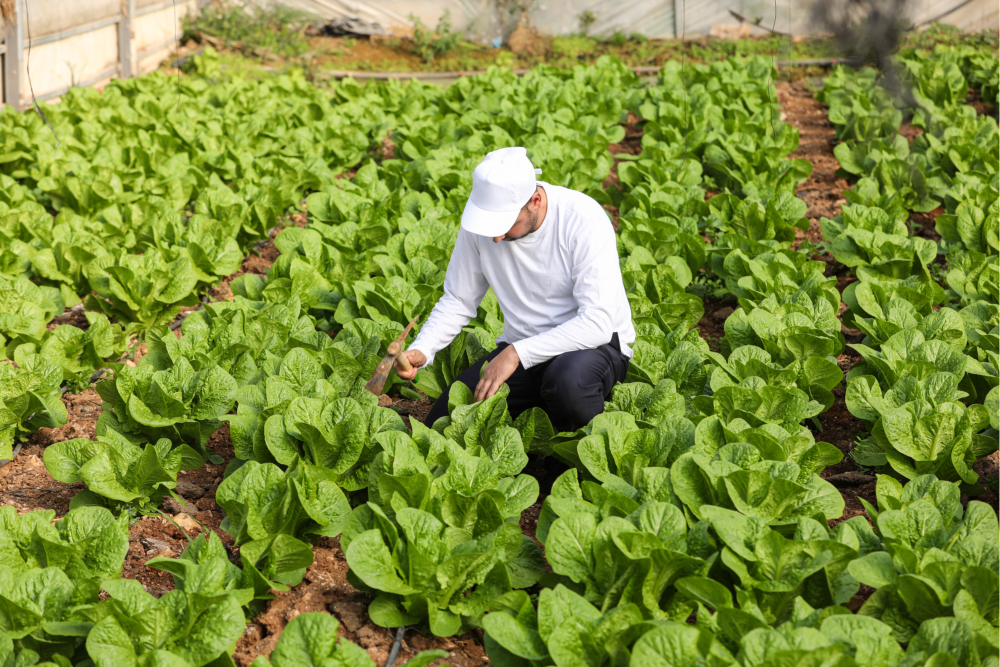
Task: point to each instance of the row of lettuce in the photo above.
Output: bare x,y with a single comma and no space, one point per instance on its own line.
696,491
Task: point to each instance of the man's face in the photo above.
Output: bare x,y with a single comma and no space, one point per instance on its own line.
527,220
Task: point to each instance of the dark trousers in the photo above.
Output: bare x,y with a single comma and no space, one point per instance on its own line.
571,388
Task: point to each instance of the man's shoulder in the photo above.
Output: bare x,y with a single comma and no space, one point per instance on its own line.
577,206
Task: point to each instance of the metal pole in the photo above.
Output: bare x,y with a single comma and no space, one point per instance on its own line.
14,53
677,22
125,55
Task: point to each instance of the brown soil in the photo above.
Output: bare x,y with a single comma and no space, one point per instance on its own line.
72,316
911,132
822,192
409,409
712,325
922,224
325,588
982,107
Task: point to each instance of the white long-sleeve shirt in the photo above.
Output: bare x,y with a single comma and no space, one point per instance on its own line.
560,288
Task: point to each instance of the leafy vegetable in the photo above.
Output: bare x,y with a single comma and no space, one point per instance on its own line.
119,473
29,399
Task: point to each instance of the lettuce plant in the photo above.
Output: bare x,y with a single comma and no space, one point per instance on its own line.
883,310
750,366
974,276
787,331
920,427
295,413
625,545
179,628
88,542
46,614
204,568
181,404
663,237
29,399
25,309
773,443
922,293
80,352
735,478
909,353
753,162
438,539
613,445
936,559
770,568
145,290
262,501
242,340
784,275
753,226
567,629
119,473
312,637
658,290
339,435
49,574
971,226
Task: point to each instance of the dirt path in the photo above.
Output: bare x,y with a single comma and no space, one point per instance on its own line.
822,193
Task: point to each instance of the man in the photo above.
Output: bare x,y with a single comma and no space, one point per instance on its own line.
549,253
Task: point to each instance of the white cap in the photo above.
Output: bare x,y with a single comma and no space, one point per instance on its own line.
501,185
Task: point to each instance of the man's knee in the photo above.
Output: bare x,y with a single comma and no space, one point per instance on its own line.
574,388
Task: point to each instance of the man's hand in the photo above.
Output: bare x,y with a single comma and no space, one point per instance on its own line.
416,359
497,372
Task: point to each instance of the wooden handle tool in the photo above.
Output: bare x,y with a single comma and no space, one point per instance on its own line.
394,353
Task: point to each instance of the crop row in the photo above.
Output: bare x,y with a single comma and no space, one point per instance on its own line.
697,491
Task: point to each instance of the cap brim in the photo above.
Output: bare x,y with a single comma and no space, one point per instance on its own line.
487,223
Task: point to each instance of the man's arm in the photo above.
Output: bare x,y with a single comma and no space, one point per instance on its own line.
597,287
464,287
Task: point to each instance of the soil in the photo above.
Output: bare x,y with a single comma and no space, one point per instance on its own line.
74,316
325,588
822,191
712,325
922,225
982,107
911,132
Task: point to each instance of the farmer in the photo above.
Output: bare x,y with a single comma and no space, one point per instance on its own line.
549,253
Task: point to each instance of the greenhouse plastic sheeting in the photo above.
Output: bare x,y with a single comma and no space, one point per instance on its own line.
483,21
75,42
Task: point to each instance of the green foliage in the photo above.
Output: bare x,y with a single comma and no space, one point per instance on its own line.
181,405
253,29
119,473
938,560
144,290
181,627
430,44
312,638
88,542
80,352
438,538
204,568
919,427
25,309
29,399
262,501
49,578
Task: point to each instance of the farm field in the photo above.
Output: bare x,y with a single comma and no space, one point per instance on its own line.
200,273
